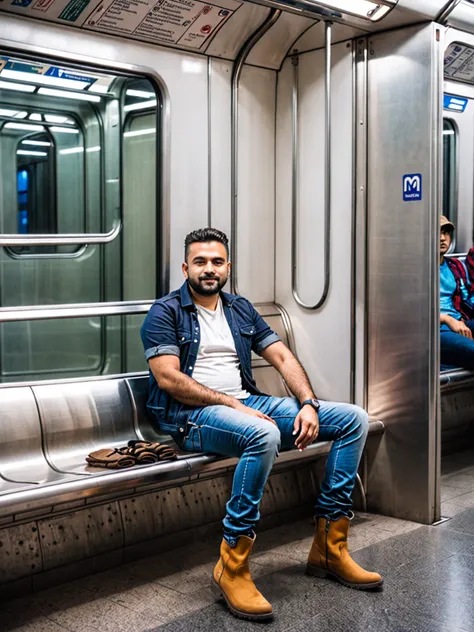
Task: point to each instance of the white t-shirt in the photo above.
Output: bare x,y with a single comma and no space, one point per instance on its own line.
217,364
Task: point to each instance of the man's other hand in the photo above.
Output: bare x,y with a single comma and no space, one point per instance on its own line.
458,326
307,425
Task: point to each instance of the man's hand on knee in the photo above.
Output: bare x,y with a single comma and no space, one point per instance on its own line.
254,413
307,425
458,326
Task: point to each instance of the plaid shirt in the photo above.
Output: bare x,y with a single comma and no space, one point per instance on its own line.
459,272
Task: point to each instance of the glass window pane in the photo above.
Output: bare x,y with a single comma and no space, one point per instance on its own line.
72,347
78,160
449,170
56,131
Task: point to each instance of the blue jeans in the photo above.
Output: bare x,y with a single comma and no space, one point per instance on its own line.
257,442
457,350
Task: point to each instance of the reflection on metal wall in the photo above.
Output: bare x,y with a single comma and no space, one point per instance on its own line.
403,103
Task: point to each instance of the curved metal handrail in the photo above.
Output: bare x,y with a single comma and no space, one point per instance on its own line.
446,11
66,239
75,310
327,180
234,142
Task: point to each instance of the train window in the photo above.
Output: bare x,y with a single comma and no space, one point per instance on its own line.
79,155
23,183
36,210
449,170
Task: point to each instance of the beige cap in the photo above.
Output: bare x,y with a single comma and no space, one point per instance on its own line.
445,223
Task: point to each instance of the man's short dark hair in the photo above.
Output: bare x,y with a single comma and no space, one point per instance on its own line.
205,235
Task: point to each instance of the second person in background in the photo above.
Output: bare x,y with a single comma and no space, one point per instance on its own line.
456,303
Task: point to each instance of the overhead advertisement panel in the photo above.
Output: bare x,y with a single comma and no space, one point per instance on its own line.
185,23
459,62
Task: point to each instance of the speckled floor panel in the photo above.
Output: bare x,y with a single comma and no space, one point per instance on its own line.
457,483
428,573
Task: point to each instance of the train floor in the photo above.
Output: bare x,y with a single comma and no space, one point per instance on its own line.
428,573
457,482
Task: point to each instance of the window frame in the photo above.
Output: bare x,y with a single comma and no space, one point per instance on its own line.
84,63
453,175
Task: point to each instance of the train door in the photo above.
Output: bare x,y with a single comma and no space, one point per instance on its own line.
78,206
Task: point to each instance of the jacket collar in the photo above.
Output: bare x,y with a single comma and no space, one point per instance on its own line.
187,299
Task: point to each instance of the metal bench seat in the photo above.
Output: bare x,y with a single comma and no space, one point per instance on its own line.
22,460
189,467
454,377
457,409
47,430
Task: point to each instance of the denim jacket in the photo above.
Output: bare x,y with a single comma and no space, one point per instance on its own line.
172,328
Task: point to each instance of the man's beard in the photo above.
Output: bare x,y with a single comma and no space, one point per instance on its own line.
207,289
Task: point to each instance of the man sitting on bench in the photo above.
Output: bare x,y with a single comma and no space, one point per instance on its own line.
456,304
198,342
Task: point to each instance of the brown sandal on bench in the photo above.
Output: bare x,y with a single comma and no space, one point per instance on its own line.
148,452
111,458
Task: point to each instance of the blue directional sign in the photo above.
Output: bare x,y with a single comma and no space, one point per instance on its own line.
412,187
455,104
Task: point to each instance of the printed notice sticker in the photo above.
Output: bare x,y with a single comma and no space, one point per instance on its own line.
188,23
185,23
120,16
72,12
207,22
459,62
42,5
412,187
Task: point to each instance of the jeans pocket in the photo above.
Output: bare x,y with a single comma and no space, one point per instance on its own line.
193,440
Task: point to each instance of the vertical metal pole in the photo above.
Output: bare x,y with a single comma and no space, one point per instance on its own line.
294,174
209,142
327,161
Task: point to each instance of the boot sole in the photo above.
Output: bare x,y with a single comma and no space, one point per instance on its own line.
316,571
220,594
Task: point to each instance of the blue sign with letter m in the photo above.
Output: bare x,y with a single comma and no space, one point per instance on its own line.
412,187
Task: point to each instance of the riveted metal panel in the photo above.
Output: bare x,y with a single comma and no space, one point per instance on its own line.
19,552
171,510
80,535
149,515
457,412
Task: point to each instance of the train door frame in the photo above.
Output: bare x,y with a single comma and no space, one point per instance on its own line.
91,63
464,122
404,120
40,50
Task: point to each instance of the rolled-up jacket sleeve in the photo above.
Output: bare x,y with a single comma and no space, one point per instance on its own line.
158,332
264,335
